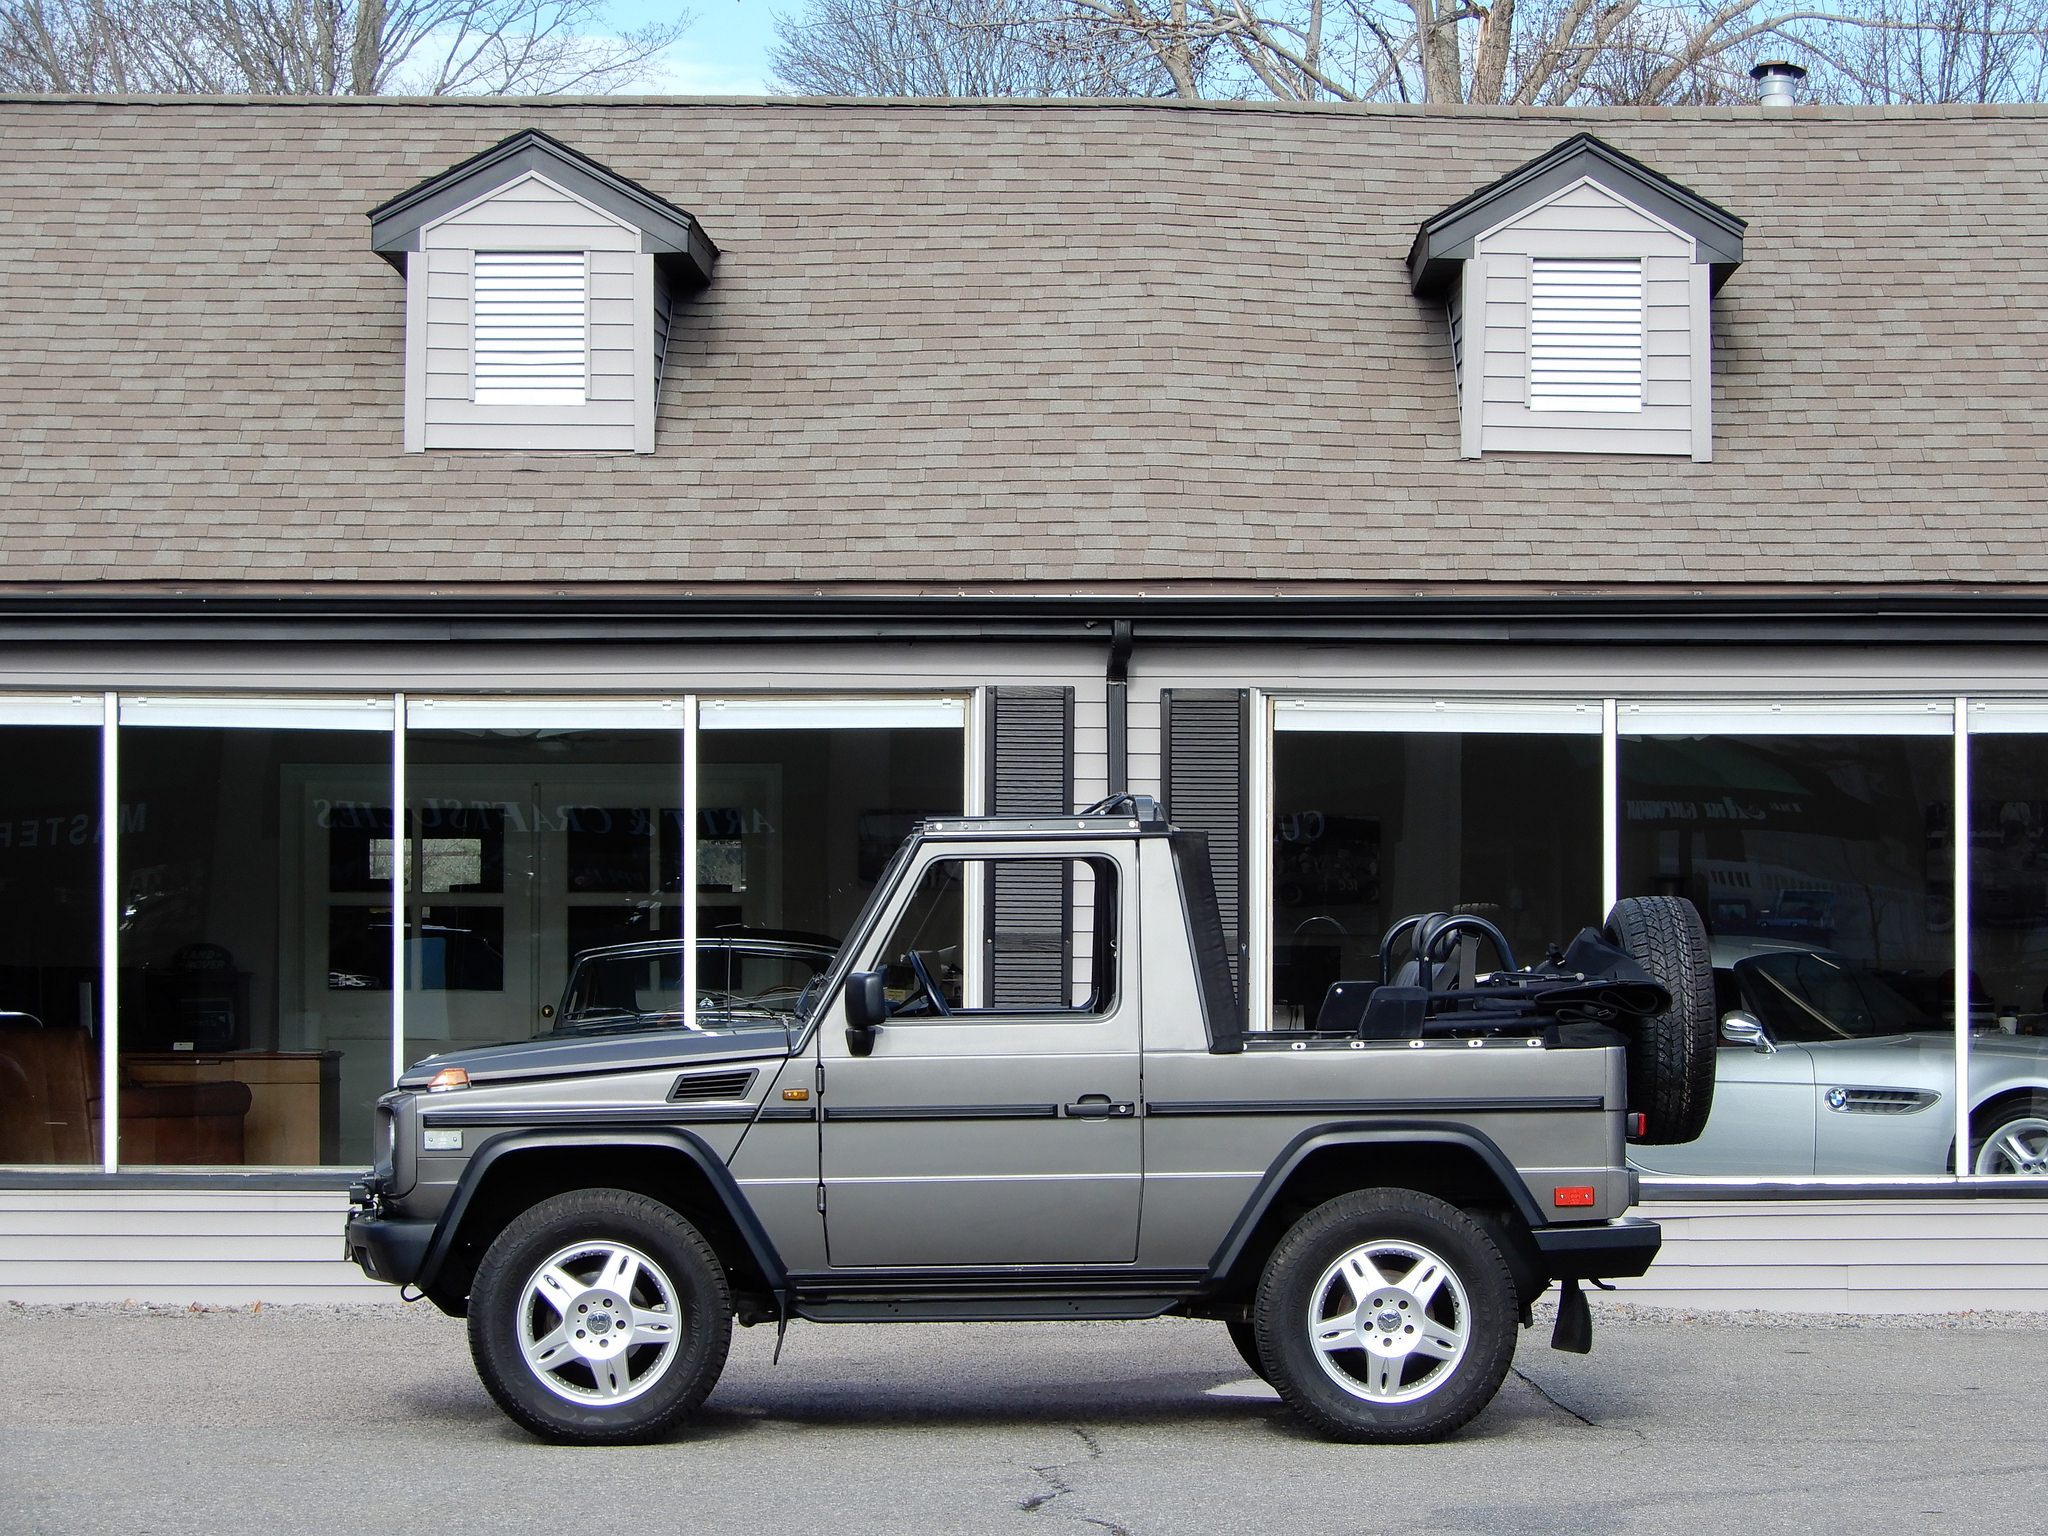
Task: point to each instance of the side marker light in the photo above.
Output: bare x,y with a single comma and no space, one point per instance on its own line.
1638,1126
1572,1194
796,1095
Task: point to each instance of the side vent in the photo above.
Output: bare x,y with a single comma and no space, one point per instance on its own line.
703,1087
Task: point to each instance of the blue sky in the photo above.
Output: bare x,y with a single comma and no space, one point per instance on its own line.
725,52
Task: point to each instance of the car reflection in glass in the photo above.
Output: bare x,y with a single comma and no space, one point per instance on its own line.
1830,1067
741,979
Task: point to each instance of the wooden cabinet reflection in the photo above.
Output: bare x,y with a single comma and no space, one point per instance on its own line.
294,1114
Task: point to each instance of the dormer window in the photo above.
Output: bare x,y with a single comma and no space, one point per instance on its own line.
540,290
1579,291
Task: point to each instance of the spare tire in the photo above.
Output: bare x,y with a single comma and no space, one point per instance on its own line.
1670,1056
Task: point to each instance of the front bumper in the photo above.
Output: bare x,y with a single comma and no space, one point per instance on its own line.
388,1248
1612,1250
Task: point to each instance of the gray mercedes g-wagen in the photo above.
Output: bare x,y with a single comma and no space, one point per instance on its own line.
1024,1090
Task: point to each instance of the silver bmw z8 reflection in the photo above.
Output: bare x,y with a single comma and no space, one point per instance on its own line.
1829,1067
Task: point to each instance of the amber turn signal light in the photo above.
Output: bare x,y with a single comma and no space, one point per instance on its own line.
1572,1194
448,1078
796,1095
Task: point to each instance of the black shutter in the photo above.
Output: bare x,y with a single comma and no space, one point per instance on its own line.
1205,747
1031,773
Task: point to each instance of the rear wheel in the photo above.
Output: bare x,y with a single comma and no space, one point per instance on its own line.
599,1317
1671,1056
1386,1316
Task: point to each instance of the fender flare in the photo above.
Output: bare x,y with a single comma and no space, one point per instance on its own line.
666,1138
1368,1133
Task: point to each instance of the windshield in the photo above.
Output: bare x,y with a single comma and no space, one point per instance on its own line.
1808,997
643,989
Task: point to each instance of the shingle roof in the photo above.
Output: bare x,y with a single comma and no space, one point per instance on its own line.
1062,344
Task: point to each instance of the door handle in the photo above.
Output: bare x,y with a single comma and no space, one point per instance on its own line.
1098,1106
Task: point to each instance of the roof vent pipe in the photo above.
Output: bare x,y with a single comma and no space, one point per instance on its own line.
1777,83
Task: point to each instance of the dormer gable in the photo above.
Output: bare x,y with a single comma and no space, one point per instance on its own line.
540,288
1579,294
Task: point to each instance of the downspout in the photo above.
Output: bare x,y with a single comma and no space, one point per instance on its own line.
1119,689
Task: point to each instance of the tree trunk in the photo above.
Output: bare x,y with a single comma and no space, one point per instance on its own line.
1490,53
366,55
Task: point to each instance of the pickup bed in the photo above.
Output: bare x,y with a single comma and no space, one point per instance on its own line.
1024,1090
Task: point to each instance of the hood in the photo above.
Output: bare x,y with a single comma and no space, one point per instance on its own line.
555,1056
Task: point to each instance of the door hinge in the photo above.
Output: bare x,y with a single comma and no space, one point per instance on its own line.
821,1199
820,1069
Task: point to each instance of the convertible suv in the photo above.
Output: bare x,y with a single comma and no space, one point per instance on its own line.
1023,1090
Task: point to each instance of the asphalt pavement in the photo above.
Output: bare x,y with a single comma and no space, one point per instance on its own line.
369,1419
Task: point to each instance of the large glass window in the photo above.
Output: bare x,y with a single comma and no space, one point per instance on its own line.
800,804
1817,844
50,834
1374,819
535,832
244,1038
2008,851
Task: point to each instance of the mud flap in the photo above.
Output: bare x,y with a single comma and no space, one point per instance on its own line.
1574,1331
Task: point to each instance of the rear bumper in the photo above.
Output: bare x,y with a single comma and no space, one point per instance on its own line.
388,1249
1613,1250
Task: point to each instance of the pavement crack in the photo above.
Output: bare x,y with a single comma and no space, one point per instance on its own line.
1537,1387
1060,1488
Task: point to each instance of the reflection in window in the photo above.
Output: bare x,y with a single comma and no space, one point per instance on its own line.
49,941
1372,826
1833,844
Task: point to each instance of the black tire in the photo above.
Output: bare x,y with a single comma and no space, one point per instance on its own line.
2002,1137
1670,1057
675,1276
1245,1337
1363,1394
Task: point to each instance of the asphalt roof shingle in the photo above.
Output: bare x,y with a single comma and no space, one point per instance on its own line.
1061,344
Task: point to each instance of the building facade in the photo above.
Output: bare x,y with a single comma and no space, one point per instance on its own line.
616,520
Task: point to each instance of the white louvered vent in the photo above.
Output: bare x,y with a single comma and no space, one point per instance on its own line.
1586,336
532,328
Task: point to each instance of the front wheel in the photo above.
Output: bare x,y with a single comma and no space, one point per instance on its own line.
2014,1139
1386,1316
599,1317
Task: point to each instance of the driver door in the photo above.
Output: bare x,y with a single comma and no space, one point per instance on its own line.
995,1119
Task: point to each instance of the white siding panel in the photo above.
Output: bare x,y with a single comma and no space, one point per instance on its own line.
1849,1255
223,1247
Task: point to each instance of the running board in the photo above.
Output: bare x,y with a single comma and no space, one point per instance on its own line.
956,1308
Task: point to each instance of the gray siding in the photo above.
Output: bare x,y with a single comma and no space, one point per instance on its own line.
533,215
227,1247
1586,222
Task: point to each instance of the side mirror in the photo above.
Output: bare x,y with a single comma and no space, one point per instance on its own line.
867,1007
1747,1029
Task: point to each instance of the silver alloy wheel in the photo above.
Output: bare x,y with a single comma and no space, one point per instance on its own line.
598,1312
2018,1146
1389,1322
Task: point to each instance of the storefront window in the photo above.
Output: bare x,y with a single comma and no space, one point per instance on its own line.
2008,827
50,1053
241,1038
800,805
535,832
1823,867
1373,822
